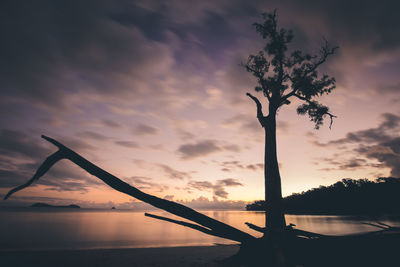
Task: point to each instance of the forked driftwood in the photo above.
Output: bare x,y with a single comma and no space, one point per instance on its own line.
206,224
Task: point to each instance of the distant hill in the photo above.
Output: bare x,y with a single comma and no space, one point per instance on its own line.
44,205
347,196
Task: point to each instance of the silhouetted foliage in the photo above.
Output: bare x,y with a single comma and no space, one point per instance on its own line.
257,205
347,196
282,75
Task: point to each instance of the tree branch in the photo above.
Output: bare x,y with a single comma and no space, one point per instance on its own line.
325,53
331,116
46,165
187,224
284,98
307,234
255,227
223,229
289,228
377,225
260,115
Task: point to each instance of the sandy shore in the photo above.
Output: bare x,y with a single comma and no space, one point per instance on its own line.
170,256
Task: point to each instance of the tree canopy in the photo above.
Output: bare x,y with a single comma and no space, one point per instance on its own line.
282,75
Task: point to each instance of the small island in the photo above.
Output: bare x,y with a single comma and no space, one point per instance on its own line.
44,205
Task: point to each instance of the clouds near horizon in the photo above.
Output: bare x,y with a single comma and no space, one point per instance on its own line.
218,188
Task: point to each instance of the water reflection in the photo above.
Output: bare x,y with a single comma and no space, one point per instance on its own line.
118,229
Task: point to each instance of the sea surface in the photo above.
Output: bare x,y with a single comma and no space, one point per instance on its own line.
43,229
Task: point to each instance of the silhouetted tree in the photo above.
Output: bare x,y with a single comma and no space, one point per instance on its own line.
281,76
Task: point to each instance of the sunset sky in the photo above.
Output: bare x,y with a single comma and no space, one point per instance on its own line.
153,92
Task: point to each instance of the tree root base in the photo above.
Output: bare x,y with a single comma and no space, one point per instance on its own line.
285,249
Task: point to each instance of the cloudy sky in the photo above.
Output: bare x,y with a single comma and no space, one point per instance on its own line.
153,92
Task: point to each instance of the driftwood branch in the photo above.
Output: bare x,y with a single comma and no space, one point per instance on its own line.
376,225
384,224
307,234
224,230
297,232
46,165
187,224
255,227
385,227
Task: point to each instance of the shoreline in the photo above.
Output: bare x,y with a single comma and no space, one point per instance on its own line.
159,256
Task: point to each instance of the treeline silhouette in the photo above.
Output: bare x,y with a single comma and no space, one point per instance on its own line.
348,196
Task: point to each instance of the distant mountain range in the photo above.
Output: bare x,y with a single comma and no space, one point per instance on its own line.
44,205
347,196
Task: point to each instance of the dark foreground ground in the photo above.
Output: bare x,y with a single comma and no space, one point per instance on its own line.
170,256
381,250
376,250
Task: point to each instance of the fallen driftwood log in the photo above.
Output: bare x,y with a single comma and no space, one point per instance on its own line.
215,227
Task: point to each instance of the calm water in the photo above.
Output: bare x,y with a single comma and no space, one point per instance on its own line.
83,229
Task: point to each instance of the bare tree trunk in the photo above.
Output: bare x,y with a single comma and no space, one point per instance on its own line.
274,215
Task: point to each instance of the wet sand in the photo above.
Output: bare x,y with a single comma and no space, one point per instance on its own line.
169,256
